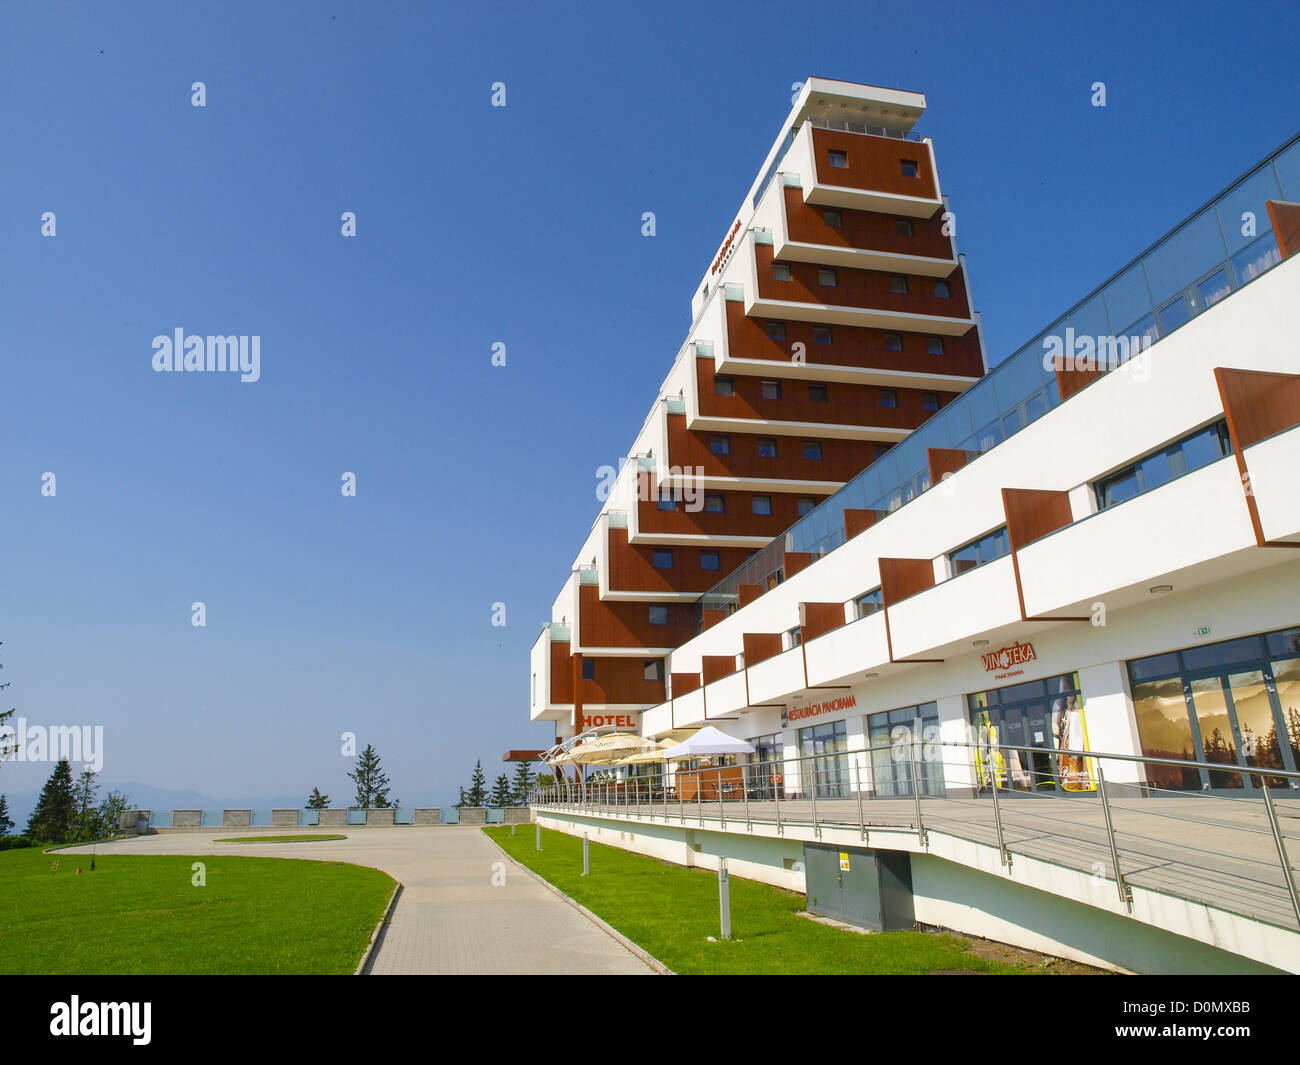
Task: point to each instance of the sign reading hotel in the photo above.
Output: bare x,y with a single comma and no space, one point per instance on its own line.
720,258
617,720
830,706
1005,658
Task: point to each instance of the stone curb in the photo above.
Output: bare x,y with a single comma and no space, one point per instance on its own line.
654,963
374,936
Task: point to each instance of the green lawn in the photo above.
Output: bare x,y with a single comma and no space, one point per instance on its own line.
670,911
141,914
278,839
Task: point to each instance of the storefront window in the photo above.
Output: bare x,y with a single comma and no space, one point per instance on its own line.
826,775
765,774
891,736
1235,703
1019,729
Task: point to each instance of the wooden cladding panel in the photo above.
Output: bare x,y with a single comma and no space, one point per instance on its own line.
685,683
874,164
866,230
1070,380
620,681
1033,513
616,624
856,521
632,568
853,345
901,577
715,667
561,674
862,288
1257,403
818,618
841,459
793,561
749,592
710,618
1286,225
760,646
944,460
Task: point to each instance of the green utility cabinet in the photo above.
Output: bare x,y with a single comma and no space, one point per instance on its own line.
868,888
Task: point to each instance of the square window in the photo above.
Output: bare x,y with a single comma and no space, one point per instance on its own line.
903,227
654,669
667,500
827,276
663,558
771,389
821,334
910,169
780,271
818,393
934,345
812,450
776,330
724,386
762,504
942,289
832,218
893,342
898,283
710,560
869,602
930,400
720,445
715,503
658,615
766,447
806,505
838,159
888,397
588,669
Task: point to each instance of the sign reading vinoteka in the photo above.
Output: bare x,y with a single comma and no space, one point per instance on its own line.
1005,657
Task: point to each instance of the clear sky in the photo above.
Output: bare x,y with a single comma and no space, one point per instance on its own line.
475,225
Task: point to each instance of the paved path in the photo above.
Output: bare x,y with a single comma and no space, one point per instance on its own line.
449,918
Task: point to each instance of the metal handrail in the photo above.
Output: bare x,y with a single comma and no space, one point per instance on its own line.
818,779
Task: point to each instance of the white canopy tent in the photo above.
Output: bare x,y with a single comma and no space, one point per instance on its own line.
708,741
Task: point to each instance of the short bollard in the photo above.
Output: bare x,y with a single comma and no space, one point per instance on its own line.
586,855
539,835
724,898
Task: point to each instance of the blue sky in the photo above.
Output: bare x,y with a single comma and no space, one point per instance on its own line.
475,225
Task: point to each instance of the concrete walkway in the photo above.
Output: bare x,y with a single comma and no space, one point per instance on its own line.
449,918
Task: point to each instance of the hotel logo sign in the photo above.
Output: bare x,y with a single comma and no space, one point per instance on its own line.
721,257
1005,658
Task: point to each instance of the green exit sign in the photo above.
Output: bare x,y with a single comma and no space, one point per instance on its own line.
1204,630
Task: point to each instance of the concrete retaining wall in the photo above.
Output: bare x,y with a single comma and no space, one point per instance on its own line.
284,818
428,817
380,817
187,818
236,818
334,817
473,815
518,815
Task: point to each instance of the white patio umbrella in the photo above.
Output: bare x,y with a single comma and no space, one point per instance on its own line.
706,742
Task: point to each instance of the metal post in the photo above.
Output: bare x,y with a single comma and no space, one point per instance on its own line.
699,797
744,791
586,855
862,825
724,898
1125,895
812,791
916,793
512,828
1287,874
538,845
722,805
776,792
997,812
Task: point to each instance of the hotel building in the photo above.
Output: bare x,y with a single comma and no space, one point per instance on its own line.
1089,547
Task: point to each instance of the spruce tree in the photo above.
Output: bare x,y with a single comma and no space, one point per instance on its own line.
500,796
52,820
461,802
521,784
372,782
6,823
477,795
86,820
317,801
